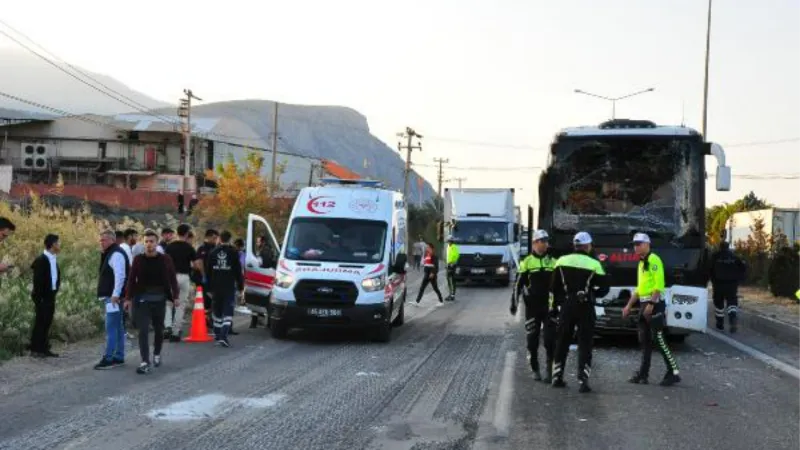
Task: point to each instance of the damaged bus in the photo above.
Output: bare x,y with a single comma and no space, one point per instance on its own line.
629,176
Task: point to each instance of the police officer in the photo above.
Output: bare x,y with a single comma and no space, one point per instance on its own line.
577,280
649,294
727,270
533,283
452,259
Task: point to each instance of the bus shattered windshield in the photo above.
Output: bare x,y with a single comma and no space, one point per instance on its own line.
616,185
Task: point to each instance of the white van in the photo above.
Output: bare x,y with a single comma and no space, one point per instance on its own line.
343,262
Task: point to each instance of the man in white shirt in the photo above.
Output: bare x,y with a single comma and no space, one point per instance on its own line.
130,236
46,282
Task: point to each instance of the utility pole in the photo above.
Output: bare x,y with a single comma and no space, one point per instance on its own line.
311,174
409,135
459,180
185,110
440,175
705,82
273,178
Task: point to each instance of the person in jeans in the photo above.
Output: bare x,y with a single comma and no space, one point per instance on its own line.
183,256
110,288
225,278
151,284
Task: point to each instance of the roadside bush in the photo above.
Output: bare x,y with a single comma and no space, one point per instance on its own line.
784,272
242,191
78,314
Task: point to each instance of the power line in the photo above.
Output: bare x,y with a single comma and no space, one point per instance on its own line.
756,143
133,104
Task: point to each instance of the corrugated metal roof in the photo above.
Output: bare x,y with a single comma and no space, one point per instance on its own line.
339,171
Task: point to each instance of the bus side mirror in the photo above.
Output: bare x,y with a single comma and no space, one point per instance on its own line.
516,232
399,265
723,178
723,171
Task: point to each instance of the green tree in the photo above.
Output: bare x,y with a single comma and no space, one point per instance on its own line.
717,216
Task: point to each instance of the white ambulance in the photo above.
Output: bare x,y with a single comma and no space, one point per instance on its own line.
342,264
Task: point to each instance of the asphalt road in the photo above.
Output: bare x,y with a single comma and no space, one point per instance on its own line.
454,377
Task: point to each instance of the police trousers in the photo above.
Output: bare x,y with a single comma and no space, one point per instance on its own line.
582,316
538,321
652,332
726,299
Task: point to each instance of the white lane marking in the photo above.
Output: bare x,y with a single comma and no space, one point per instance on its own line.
502,412
763,357
210,406
368,374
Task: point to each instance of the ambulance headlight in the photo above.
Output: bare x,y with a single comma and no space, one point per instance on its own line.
374,284
284,280
502,270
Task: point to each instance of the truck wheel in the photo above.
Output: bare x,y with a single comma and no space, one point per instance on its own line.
278,330
401,315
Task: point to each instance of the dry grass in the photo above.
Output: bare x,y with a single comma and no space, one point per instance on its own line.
78,314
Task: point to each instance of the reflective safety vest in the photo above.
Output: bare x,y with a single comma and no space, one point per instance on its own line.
650,277
535,263
452,254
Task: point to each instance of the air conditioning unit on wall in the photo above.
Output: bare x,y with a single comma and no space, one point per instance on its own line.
35,156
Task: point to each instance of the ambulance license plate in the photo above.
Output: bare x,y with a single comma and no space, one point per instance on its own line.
477,271
322,312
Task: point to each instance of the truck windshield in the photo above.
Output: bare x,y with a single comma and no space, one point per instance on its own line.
481,233
336,240
617,185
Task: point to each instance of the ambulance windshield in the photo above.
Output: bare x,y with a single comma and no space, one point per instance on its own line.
336,240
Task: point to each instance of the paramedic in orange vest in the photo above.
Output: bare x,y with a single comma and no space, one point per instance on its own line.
430,267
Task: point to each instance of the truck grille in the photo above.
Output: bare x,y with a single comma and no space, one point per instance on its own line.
325,292
471,260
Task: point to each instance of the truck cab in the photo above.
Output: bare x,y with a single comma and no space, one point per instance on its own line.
484,224
343,261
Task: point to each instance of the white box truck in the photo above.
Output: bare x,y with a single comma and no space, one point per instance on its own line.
777,221
483,222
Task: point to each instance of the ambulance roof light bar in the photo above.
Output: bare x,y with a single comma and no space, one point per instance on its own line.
362,183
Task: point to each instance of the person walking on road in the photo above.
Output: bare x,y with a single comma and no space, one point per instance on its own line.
452,260
417,250
210,242
183,257
110,289
577,280
430,266
534,283
649,294
727,271
225,279
151,284
46,283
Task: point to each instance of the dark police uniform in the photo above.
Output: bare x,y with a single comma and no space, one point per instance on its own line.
535,277
577,280
727,270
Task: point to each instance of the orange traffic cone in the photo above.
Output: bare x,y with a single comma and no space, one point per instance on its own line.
199,330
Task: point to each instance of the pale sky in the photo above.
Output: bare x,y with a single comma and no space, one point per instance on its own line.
500,72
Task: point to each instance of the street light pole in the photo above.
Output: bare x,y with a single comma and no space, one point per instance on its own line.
614,100
705,82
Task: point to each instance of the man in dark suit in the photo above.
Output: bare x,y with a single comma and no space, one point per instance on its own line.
46,282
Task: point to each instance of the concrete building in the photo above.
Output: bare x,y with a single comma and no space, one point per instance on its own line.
138,153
